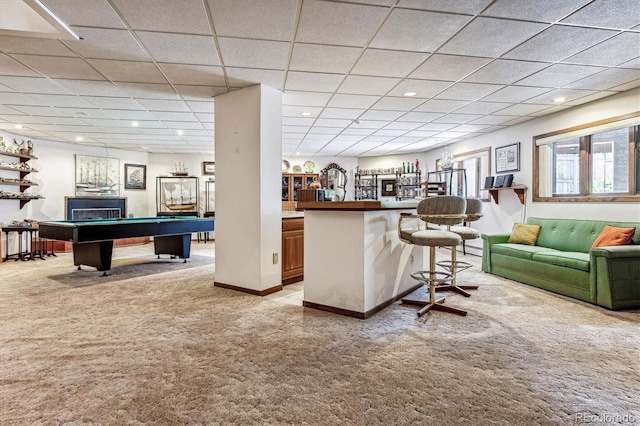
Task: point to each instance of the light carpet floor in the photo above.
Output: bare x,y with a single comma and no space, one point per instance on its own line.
159,344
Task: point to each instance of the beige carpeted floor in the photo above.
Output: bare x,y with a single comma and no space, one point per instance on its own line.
159,344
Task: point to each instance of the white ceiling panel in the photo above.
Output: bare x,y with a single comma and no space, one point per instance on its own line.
332,122
352,101
539,10
344,113
180,48
367,85
296,111
490,37
502,71
254,53
130,115
148,90
482,108
201,75
492,119
416,30
59,67
559,75
25,45
468,91
388,63
448,67
558,42
469,7
100,43
397,103
258,19
441,106
112,103
523,109
206,107
132,72
244,77
322,58
90,13
400,125
607,79
91,88
184,16
423,88
340,24
617,50
43,111
9,66
305,98
620,14
422,117
175,116
381,115
314,82
199,93
514,94
567,94
457,118
62,101
163,105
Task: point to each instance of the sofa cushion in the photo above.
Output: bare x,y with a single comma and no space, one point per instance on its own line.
521,251
614,236
569,259
524,234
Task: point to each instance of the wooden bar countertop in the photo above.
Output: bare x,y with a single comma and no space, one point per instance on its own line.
363,205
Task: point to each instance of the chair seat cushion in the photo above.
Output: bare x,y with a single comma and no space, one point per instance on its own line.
436,238
466,232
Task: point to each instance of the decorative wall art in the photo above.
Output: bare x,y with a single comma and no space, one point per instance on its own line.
135,176
208,167
388,187
97,176
508,158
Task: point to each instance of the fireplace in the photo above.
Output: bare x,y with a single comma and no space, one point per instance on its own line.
94,208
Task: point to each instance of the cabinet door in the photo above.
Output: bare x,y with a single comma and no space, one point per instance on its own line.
286,188
292,256
298,183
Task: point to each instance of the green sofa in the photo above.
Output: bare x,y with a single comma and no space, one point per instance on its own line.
563,261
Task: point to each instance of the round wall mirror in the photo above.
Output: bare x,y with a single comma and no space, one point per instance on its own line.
334,178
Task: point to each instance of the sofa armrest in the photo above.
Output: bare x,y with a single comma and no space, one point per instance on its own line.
615,276
487,241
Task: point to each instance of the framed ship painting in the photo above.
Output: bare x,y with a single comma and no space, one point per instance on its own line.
135,176
97,176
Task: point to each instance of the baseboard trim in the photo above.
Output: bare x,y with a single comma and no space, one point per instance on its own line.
248,290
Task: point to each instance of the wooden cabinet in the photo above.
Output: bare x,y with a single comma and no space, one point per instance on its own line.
292,182
21,169
292,249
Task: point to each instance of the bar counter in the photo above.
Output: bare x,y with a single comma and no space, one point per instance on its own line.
354,262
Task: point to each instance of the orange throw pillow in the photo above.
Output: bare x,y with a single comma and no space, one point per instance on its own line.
612,236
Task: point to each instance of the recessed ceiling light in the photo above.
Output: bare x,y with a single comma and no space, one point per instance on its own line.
306,114
559,100
179,132
134,123
144,147
79,138
409,94
17,126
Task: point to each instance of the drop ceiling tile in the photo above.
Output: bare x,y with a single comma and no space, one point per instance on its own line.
457,118
607,79
9,66
322,58
514,94
422,88
380,115
62,101
10,98
442,106
185,16
112,103
405,29
421,133
296,111
82,113
626,86
16,117
492,119
540,10
125,71
107,124
397,103
523,109
65,121
148,90
163,105
558,42
634,63
469,7
617,50
352,101
448,67
258,19
592,96
313,82
332,122
100,43
502,71
370,124
25,45
305,98
388,63
620,14
559,75
92,88
205,107
60,67
338,23
122,114
43,111
346,113
358,132
90,13
254,53
175,116
183,125
199,93
243,77
402,125
150,124
332,131
423,117
568,94
468,91
367,85
482,108
464,128
193,74
490,37
180,48
391,133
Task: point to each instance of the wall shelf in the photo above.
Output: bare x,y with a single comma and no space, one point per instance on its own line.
520,191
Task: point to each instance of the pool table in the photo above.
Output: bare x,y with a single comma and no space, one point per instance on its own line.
93,240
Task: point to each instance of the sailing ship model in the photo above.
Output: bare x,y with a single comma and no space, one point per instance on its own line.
180,196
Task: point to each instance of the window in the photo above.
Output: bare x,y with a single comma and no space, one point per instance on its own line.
597,162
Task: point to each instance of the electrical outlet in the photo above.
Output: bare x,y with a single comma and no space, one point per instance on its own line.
275,258
412,259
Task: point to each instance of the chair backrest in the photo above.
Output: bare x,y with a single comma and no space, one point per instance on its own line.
443,205
474,209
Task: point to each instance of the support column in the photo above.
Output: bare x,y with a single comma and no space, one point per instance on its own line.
248,154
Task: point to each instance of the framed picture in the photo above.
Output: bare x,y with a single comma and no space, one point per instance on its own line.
97,176
508,158
388,187
135,176
208,167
